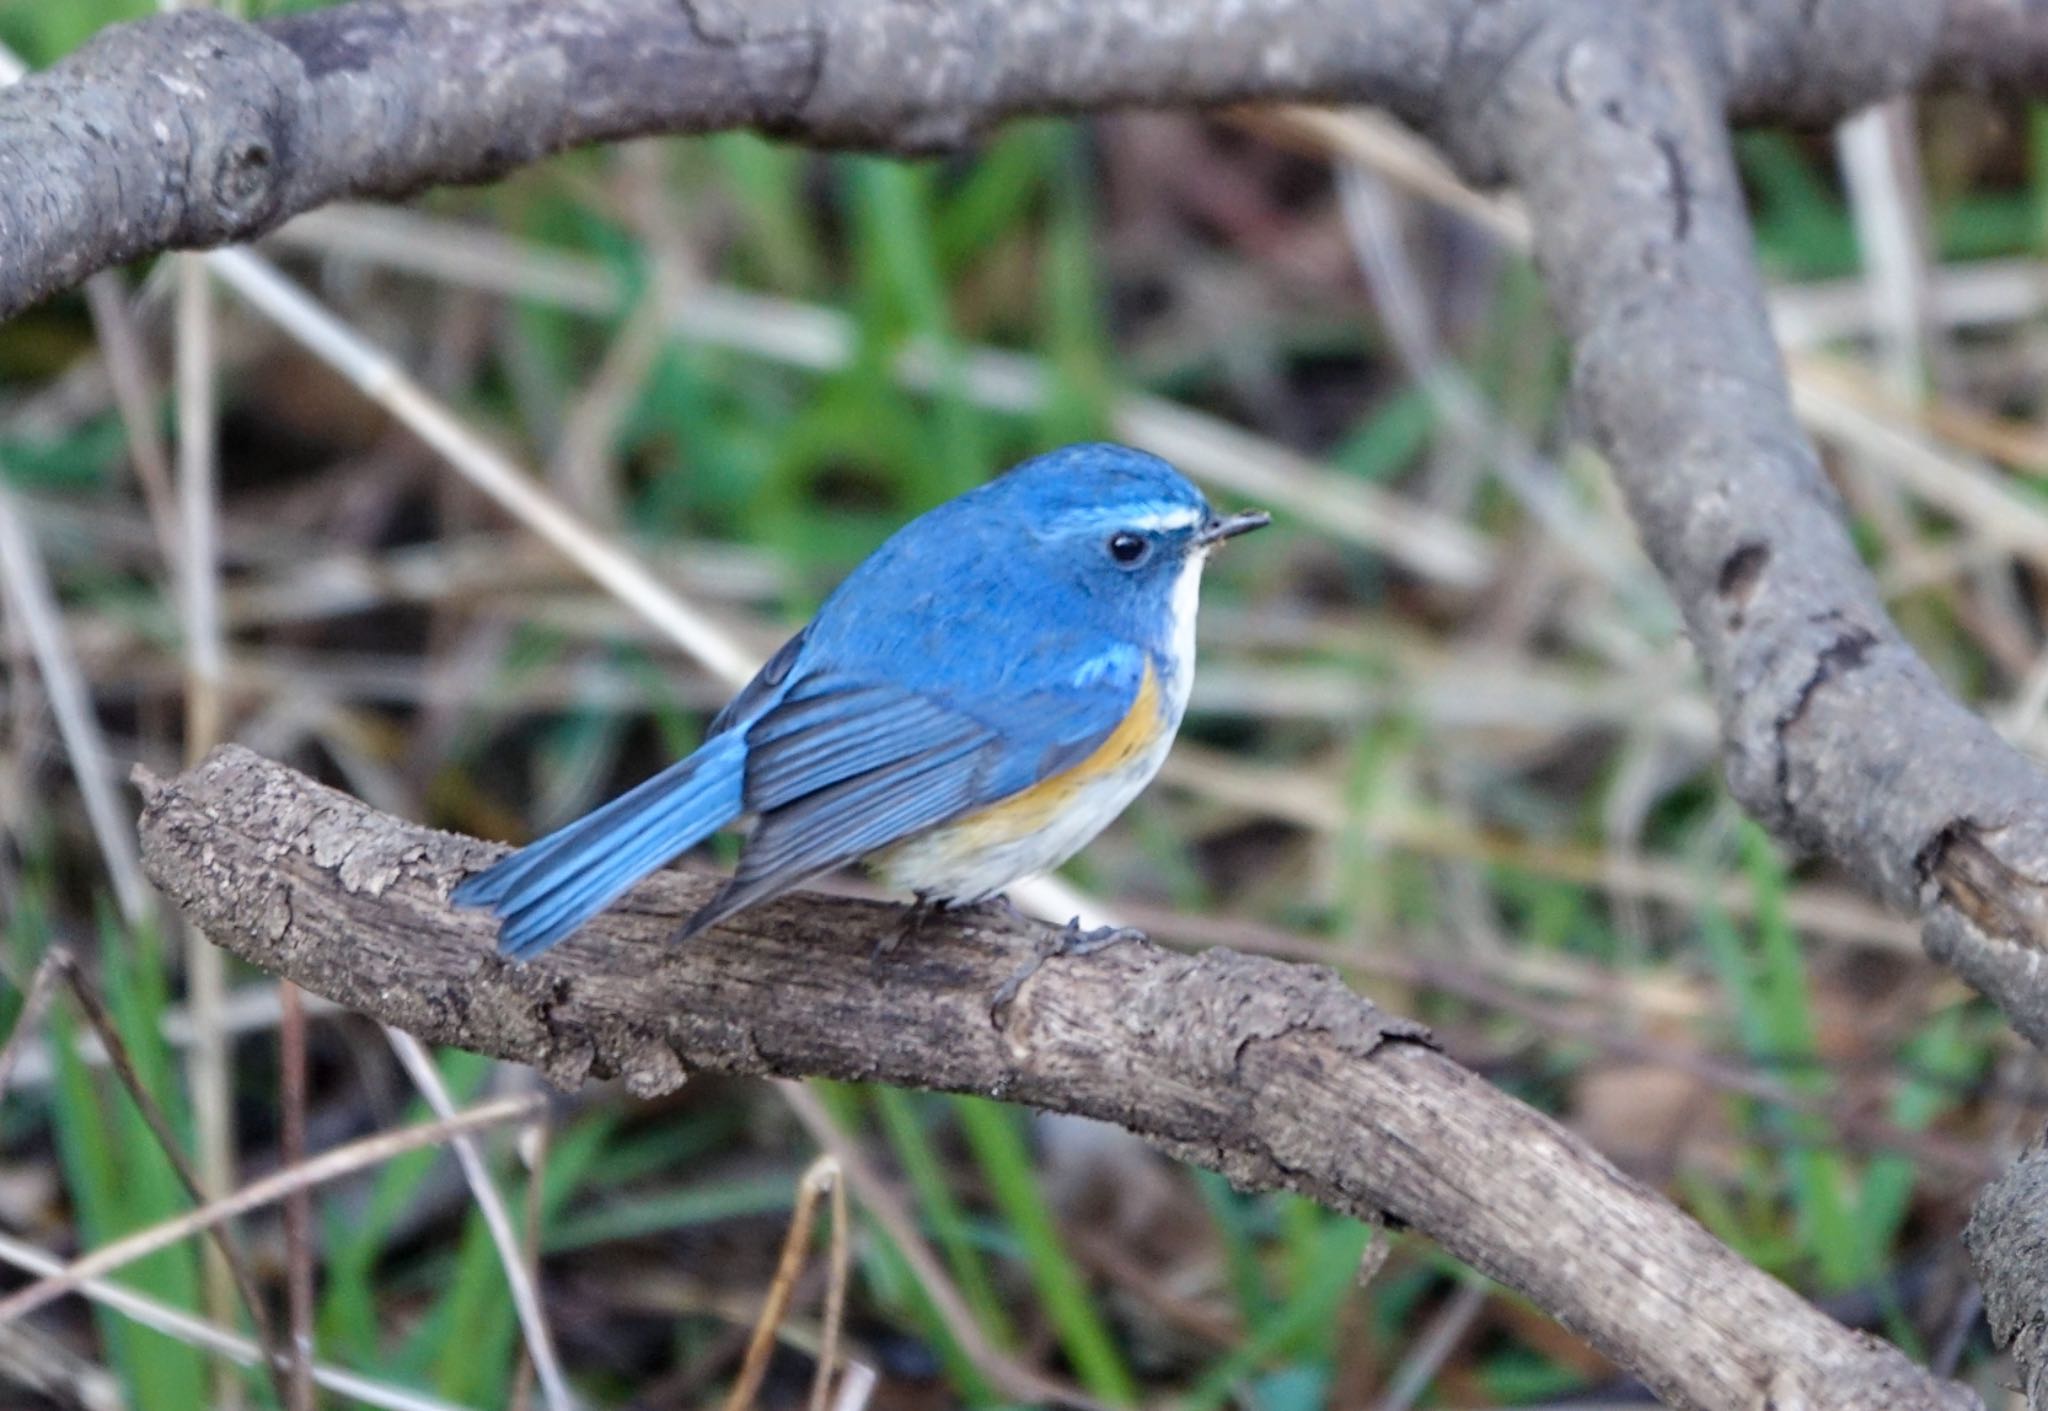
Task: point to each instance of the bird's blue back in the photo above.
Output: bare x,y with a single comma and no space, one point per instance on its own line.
971,656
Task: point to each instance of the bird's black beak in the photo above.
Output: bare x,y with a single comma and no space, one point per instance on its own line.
1229,526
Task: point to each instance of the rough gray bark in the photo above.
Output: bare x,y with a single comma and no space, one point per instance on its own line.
1836,734
1274,1074
1996,46
192,129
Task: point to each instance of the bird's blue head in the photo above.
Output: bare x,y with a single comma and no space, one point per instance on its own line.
1117,528
1079,545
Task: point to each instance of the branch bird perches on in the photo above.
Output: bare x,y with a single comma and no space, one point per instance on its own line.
1274,1074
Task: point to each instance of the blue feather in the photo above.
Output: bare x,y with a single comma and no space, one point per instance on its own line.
549,888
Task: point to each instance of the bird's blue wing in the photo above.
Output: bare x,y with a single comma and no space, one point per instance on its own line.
759,691
841,768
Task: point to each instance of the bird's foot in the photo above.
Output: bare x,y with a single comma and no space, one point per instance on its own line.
919,914
1068,940
996,908
916,917
1072,940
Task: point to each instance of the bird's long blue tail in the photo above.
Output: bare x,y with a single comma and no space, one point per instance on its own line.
550,887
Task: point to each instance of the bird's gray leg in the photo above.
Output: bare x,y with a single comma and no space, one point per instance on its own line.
915,918
1068,940
996,908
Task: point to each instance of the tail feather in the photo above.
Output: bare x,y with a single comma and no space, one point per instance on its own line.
550,887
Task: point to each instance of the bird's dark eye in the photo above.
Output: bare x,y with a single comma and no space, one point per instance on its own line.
1127,548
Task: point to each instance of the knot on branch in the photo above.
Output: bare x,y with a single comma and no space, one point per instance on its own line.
211,126
1205,1012
935,109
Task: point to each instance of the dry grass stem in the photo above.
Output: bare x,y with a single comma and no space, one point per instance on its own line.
519,1276
1435,546
198,1332
381,379
32,603
328,1166
881,1203
820,1178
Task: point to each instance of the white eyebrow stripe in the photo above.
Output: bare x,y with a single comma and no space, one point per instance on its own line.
1143,515
1179,518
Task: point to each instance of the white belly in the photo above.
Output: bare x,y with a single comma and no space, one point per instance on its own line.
959,862
966,861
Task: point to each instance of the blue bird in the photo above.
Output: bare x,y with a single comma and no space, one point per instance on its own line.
971,706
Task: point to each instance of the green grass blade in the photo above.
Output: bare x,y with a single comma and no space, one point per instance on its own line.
888,1277
994,1136
1307,1314
120,1179
893,214
902,1121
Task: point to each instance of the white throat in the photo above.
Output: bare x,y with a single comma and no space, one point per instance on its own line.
1187,599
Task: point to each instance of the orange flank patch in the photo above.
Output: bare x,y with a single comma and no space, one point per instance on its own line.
1030,810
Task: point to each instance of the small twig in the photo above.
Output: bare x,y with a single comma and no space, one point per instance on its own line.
1889,214
106,299
820,1177
855,1388
1010,1377
59,965
1954,482
1429,1351
198,559
1538,484
533,1146
378,376
840,1255
44,1366
35,1001
250,1009
583,459
328,1166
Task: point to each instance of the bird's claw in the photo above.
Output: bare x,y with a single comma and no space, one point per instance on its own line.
1072,940
1068,940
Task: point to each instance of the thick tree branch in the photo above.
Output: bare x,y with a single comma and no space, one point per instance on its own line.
1998,46
1274,1074
1837,734
192,129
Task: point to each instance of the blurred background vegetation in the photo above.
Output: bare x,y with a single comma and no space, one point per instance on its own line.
1446,737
